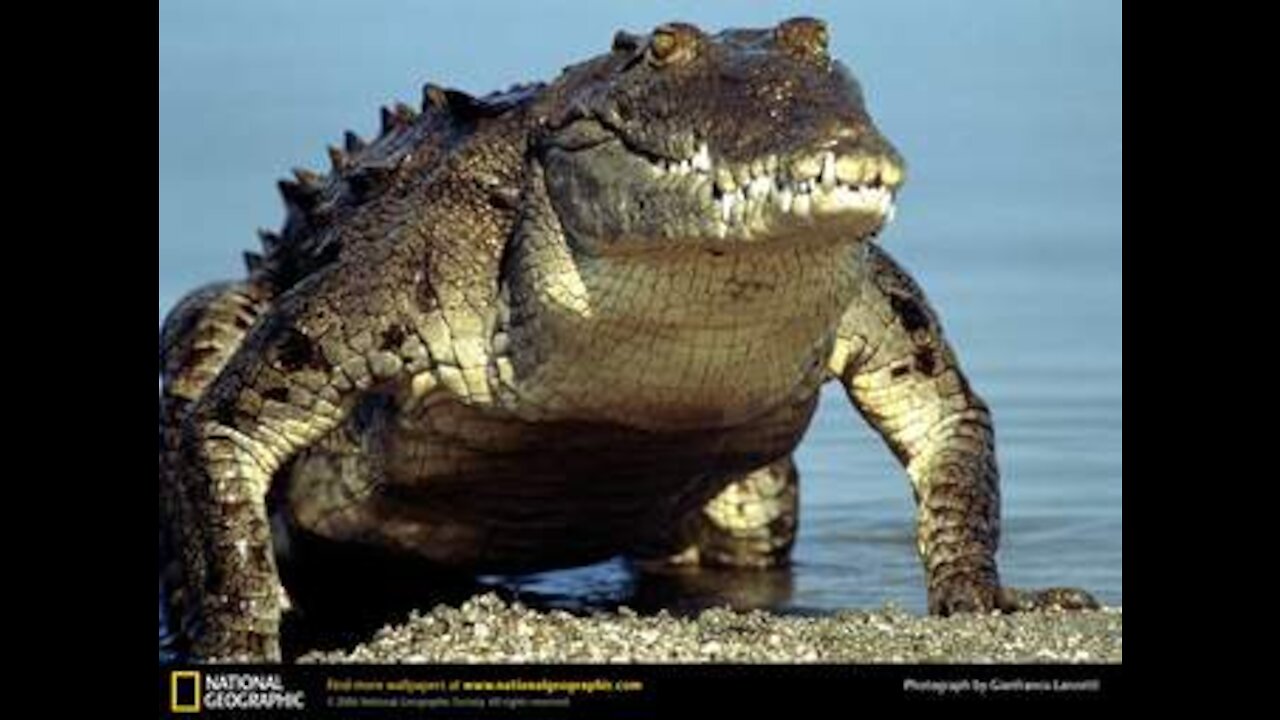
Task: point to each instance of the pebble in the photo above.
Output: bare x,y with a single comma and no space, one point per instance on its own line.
486,629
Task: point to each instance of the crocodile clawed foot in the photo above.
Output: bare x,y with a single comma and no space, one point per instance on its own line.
230,630
969,594
1061,598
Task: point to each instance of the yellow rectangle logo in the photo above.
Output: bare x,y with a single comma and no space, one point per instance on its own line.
185,676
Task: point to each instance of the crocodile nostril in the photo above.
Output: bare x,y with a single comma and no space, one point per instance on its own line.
624,41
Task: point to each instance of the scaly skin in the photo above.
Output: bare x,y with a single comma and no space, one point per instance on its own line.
904,378
568,322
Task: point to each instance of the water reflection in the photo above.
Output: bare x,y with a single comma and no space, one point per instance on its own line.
343,594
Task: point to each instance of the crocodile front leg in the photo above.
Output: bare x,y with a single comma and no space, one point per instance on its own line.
295,378
905,379
199,336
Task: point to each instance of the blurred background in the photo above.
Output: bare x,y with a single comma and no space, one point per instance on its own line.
1009,115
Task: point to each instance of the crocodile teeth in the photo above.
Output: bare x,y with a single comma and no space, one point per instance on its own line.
760,187
724,180
739,212
890,174
850,169
817,183
784,199
801,205
702,159
828,170
806,168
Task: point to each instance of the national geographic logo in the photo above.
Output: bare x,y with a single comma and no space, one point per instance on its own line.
184,691
190,691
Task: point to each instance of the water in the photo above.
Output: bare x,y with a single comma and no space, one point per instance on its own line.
1008,112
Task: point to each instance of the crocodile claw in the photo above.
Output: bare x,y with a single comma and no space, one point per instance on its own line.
974,595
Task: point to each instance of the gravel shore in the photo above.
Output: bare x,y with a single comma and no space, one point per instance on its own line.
487,629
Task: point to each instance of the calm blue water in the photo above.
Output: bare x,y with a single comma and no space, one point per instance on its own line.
1009,113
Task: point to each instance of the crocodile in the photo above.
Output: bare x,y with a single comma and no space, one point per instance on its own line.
566,322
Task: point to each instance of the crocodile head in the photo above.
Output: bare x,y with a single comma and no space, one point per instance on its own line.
685,138
696,210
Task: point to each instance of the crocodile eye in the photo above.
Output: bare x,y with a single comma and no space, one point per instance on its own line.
820,37
663,46
673,43
804,36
